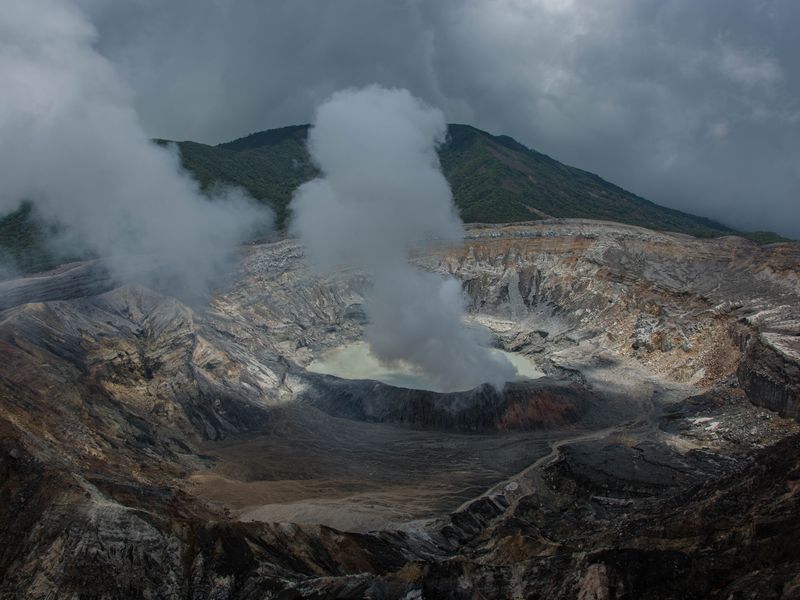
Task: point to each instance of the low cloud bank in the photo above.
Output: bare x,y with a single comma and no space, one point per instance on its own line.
71,143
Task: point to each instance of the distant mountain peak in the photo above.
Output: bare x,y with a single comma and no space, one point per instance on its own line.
494,178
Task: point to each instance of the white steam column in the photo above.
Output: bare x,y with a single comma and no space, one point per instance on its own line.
381,193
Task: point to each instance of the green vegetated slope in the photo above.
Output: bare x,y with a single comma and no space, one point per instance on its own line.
269,165
497,179
22,242
494,179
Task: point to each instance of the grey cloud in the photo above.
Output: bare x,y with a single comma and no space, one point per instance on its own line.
691,104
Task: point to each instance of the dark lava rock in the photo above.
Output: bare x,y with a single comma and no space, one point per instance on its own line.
770,379
535,404
640,470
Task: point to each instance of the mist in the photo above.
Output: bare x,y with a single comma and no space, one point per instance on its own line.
74,147
381,194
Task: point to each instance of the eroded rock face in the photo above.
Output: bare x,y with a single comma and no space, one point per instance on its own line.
150,449
543,403
770,372
670,301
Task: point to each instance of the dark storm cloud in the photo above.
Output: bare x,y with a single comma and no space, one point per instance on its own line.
691,104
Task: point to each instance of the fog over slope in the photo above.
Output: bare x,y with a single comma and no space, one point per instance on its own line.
382,193
72,144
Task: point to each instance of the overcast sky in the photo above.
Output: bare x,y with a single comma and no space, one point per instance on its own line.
692,104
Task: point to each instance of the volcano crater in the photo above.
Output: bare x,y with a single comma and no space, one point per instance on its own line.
662,362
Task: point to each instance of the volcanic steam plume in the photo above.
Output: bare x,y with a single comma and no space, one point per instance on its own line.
381,193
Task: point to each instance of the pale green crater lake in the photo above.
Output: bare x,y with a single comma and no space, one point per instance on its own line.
356,361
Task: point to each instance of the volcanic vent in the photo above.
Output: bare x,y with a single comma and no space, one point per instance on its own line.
381,193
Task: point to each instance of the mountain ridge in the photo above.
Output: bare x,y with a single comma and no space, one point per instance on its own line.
494,179
486,188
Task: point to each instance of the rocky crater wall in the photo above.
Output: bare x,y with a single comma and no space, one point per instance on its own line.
669,301
537,404
110,401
